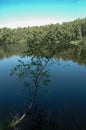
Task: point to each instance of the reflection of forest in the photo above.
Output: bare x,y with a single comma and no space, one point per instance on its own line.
75,53
11,49
35,70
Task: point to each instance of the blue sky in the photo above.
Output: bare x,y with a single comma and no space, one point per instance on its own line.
14,13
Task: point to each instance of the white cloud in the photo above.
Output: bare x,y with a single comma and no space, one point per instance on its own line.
25,23
33,22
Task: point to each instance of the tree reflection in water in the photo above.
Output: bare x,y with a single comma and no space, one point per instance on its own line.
35,72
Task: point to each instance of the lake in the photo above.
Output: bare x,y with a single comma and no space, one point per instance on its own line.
61,94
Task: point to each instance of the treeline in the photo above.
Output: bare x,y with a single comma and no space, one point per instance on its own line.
68,32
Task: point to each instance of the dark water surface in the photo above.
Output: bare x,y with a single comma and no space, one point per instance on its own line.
64,97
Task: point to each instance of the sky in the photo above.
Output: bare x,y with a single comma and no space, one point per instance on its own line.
23,13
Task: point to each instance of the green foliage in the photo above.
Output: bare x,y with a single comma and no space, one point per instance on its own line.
45,35
46,40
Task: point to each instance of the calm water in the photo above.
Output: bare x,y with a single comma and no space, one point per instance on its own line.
64,96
